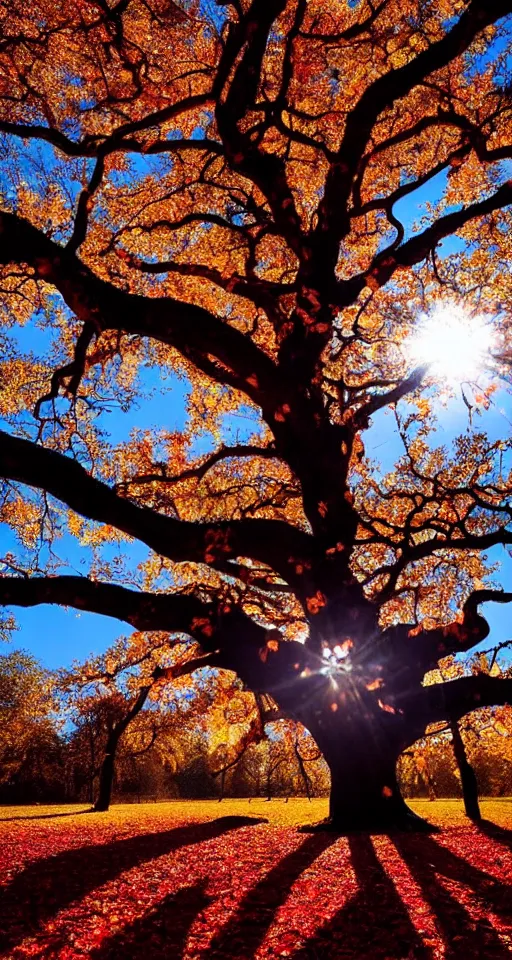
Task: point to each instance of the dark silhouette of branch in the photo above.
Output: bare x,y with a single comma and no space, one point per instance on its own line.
66,480
454,698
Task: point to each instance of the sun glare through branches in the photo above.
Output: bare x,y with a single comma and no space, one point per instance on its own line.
456,344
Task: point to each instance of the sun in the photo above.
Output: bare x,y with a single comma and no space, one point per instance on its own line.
455,343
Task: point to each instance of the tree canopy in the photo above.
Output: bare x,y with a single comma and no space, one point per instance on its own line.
225,193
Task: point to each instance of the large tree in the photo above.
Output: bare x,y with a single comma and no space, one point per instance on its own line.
226,192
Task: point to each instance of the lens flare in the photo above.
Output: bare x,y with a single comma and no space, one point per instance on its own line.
454,343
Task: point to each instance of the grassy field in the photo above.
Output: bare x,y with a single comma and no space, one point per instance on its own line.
202,880
292,813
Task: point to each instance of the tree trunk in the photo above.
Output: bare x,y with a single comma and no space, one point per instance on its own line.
106,776
302,770
367,796
92,765
362,758
467,774
107,768
222,784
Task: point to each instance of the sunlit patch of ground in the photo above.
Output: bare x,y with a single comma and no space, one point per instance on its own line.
201,881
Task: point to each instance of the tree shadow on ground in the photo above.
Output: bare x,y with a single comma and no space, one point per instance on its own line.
500,834
245,931
46,886
374,923
162,933
431,865
47,816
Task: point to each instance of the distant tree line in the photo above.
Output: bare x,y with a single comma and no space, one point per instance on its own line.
54,737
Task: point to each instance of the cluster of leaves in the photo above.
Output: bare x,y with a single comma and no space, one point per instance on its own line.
28,714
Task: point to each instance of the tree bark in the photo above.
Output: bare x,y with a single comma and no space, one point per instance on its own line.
107,768
92,765
302,770
269,788
366,795
222,784
467,774
107,775
362,759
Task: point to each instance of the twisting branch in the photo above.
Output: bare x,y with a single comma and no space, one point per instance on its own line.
85,202
230,638
195,332
197,472
413,651
121,139
74,370
351,33
236,87
413,251
144,611
333,220
211,344
379,401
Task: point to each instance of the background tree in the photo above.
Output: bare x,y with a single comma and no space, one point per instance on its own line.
113,698
292,763
214,192
30,749
472,754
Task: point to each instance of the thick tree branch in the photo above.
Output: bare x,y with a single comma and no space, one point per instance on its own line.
266,540
409,385
416,249
122,138
262,293
196,333
211,344
420,650
237,85
409,652
144,611
454,698
201,469
231,639
351,33
473,138
469,541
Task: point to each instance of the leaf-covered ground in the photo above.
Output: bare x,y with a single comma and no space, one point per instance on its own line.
205,881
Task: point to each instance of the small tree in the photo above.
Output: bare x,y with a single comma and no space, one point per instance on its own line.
30,745
106,696
464,750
